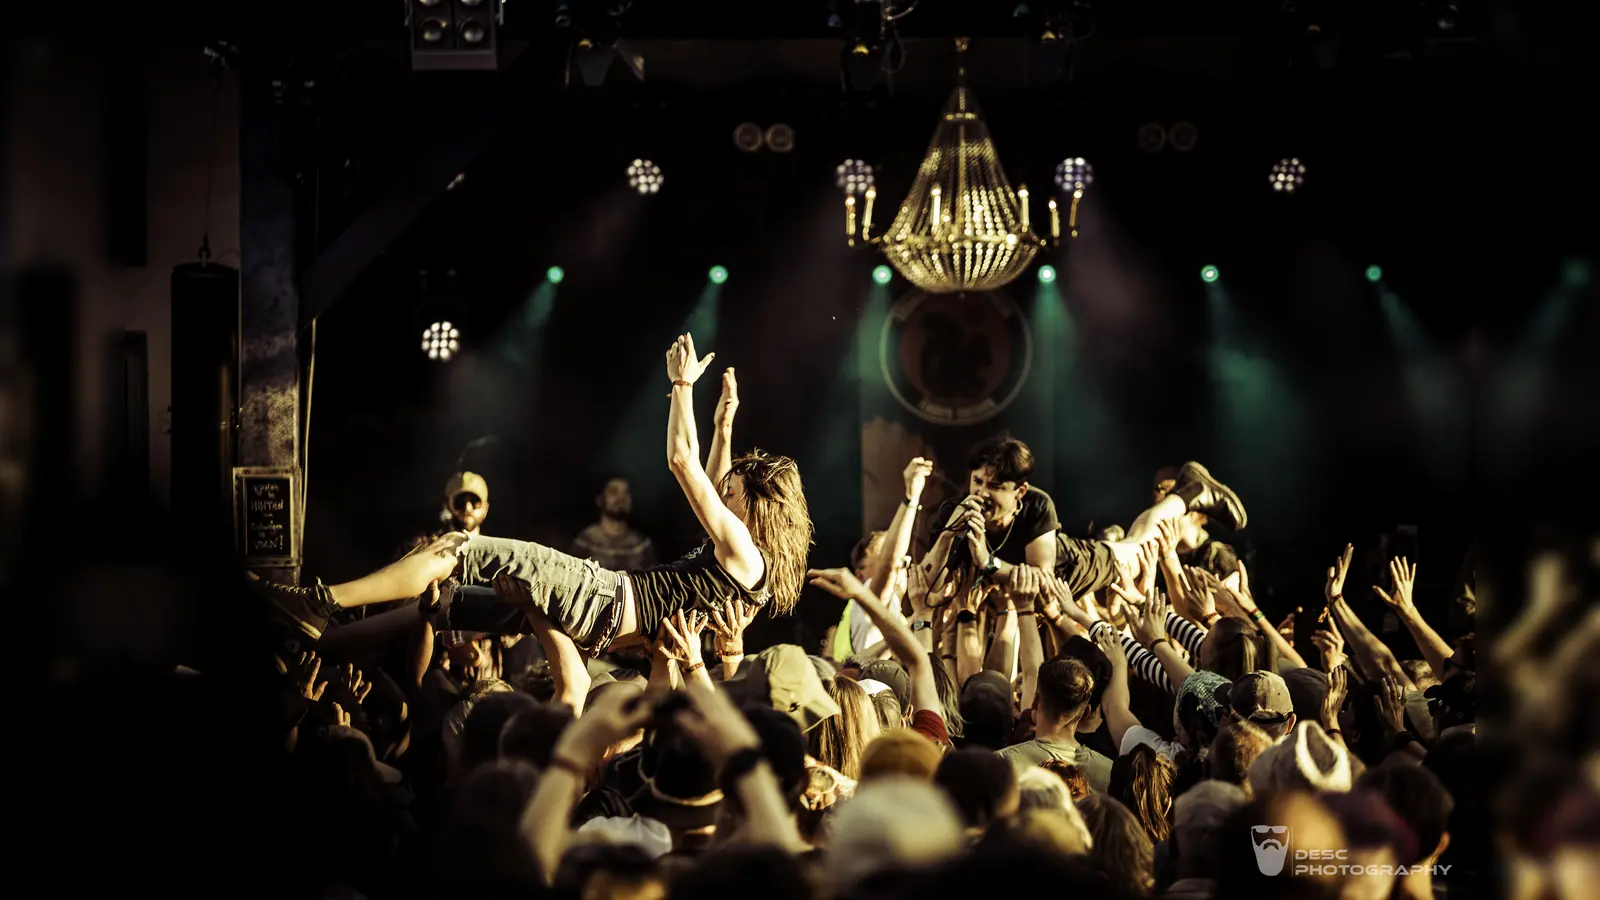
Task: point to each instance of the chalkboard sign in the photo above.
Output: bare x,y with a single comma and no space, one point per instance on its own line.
266,502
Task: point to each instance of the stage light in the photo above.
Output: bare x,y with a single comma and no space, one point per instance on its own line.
1209,274
1152,137
882,274
1287,175
1047,274
780,138
554,274
1374,273
645,176
454,34
1183,136
718,274
854,176
441,341
748,137
1074,174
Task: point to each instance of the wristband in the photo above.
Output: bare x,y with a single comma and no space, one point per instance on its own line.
1212,619
740,764
921,624
1158,642
694,667
679,382
557,761
966,617
1257,615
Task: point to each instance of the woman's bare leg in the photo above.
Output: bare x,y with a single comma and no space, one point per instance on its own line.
404,578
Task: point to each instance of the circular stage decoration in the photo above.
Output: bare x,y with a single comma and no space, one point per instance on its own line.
955,359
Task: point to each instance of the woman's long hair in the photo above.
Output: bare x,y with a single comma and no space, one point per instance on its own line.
1142,780
778,519
1231,649
839,741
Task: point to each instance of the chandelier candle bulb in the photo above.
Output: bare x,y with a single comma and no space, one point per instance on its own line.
937,219
866,215
1022,200
850,220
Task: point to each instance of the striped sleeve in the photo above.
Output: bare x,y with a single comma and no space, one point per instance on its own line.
1141,662
1187,634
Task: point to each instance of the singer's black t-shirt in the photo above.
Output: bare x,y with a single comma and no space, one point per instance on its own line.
1036,515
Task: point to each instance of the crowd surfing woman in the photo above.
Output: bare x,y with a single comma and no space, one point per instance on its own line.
753,510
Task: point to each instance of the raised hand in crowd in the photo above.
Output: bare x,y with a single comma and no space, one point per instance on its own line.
1330,644
728,403
1333,700
728,623
916,477
349,686
1333,589
304,675
1404,577
1024,588
680,642
1147,620
683,364
340,717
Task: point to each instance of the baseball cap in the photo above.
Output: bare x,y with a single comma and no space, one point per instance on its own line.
466,483
900,752
1261,697
784,678
893,674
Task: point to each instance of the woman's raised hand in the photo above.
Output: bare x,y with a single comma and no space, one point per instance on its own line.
683,364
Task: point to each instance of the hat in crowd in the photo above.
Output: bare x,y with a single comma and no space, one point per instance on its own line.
465,483
1305,760
1308,687
873,687
338,733
680,784
784,677
825,667
900,751
649,835
1204,688
1262,698
891,824
893,674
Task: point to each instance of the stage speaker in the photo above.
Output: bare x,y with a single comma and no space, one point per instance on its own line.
205,379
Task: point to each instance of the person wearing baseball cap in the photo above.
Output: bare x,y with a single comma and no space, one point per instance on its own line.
466,502
1263,699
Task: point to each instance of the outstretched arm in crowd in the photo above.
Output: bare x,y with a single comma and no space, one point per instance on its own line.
720,459
1243,604
1115,702
898,540
1372,657
844,584
735,550
1435,649
567,670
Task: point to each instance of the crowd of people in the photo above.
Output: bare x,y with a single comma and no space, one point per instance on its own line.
1002,706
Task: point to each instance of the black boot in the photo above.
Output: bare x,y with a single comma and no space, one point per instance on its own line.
302,610
1205,494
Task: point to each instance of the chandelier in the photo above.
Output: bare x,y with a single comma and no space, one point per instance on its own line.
961,227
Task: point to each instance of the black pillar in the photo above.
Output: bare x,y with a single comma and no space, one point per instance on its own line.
269,300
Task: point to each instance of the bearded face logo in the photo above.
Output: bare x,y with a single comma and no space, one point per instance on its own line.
1271,843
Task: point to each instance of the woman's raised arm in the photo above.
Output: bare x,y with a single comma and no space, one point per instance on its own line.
735,550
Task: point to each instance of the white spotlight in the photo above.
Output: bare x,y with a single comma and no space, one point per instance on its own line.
1074,174
1287,175
854,176
644,176
441,341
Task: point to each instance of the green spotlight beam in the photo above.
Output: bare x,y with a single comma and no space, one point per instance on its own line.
882,275
1209,274
555,274
718,274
